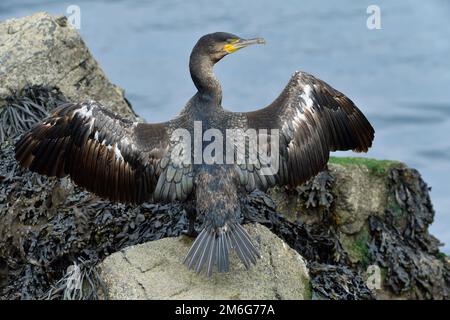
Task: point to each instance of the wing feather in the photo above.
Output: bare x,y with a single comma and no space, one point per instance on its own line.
110,156
313,119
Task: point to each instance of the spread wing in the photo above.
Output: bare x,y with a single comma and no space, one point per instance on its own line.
313,119
113,157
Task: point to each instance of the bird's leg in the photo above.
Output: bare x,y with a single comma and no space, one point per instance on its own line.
191,215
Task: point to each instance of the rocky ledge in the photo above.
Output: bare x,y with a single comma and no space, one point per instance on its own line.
154,270
358,230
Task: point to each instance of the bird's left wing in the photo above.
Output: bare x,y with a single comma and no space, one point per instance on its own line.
312,119
113,157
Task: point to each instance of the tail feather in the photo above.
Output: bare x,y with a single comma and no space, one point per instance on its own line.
206,252
243,241
193,256
239,250
222,254
212,247
211,257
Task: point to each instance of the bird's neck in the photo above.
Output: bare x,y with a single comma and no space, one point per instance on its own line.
208,86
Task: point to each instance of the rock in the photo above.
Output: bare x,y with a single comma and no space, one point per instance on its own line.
154,270
358,191
359,195
376,214
45,50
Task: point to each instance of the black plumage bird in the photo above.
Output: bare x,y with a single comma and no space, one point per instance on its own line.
135,162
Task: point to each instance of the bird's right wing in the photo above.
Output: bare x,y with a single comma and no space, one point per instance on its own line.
110,156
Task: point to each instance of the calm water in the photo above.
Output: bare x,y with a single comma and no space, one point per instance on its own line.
399,75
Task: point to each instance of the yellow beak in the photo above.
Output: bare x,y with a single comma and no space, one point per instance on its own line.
237,44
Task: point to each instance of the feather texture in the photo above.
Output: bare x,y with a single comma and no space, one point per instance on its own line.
313,119
102,152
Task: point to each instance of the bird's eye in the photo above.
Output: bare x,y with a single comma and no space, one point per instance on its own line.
232,40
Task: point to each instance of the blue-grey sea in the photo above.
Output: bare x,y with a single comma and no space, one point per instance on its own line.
398,75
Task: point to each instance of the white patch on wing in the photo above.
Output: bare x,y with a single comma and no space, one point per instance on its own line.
306,95
88,114
117,152
96,135
290,145
126,141
85,111
91,125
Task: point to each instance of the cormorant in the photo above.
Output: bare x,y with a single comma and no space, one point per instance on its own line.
134,162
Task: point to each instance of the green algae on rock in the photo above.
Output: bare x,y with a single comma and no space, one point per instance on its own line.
375,166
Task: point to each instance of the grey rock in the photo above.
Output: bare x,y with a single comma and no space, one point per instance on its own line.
360,194
45,50
154,270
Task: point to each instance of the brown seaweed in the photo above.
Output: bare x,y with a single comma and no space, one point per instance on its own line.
25,107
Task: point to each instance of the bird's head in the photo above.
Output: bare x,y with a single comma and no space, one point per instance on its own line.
219,44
